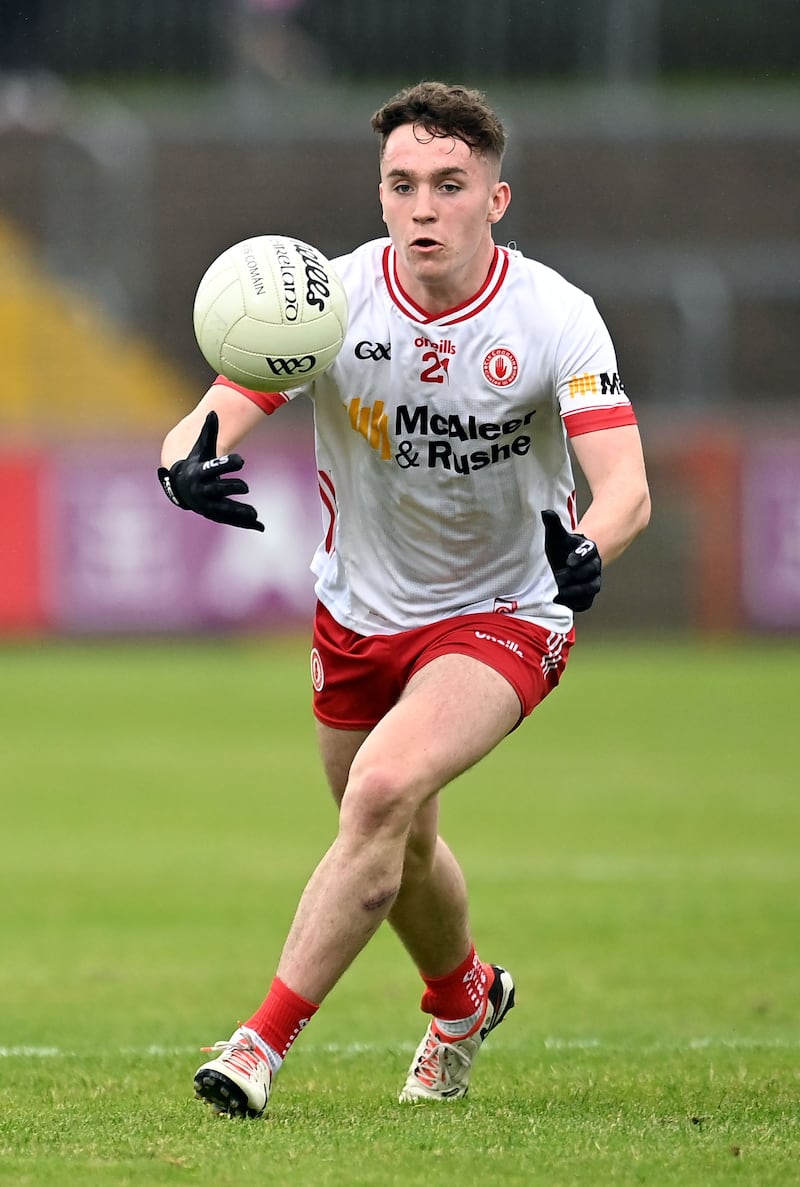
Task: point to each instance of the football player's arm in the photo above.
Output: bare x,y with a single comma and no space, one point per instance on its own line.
612,462
237,416
196,458
613,465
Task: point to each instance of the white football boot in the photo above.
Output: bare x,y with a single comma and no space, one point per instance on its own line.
237,1081
441,1067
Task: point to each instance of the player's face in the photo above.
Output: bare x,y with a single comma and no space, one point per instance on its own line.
440,201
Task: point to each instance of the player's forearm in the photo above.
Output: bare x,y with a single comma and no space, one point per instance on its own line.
237,416
613,463
178,441
619,511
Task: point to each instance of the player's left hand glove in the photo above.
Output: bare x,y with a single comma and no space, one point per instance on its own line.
575,562
197,482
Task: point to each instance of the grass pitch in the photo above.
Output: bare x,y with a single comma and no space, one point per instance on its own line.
633,853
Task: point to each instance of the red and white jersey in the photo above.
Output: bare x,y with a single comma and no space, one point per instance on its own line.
441,438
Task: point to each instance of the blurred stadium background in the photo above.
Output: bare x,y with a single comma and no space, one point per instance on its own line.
655,160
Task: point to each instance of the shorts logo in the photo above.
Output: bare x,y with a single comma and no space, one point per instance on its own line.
317,671
509,644
500,367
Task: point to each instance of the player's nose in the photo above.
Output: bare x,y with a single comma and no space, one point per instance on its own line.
424,208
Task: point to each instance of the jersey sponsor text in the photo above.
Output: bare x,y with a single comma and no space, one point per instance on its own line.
416,419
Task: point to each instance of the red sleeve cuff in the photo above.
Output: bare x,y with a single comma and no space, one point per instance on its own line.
267,401
591,420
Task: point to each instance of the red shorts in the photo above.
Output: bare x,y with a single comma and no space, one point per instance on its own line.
358,678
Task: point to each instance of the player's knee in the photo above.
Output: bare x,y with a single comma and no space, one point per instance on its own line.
377,799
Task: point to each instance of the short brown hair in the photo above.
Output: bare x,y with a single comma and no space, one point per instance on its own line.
443,110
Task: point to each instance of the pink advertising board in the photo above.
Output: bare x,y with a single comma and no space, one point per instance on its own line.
120,558
771,535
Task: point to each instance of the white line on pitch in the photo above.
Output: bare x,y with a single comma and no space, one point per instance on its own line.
701,1043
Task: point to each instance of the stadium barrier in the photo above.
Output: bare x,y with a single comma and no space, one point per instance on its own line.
90,546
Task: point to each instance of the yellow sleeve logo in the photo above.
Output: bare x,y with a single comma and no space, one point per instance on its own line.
582,385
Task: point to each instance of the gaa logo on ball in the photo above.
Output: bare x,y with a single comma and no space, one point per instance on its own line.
270,313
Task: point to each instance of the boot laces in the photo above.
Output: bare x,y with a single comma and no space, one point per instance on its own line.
241,1052
432,1066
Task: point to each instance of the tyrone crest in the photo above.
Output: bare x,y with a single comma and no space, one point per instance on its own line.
500,367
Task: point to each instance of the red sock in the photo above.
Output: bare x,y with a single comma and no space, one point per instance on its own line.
281,1017
461,993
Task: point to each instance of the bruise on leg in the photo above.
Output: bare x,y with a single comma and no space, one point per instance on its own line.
379,901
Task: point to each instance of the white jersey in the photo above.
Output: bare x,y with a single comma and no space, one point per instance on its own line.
441,438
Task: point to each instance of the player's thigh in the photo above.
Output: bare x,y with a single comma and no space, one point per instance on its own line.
453,711
338,748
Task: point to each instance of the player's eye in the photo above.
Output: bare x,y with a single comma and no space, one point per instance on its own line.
402,187
450,187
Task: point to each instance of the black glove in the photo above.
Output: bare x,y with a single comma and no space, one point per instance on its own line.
575,562
196,483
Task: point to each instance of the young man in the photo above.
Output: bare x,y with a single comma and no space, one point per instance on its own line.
449,572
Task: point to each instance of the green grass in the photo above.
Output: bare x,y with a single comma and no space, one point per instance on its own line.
633,854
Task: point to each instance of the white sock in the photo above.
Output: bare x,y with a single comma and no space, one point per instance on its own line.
457,1028
270,1054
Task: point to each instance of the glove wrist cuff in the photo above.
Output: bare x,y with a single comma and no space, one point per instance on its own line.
169,480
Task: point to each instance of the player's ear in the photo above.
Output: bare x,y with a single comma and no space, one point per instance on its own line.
380,199
499,201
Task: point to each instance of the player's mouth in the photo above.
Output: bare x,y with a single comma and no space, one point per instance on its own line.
424,244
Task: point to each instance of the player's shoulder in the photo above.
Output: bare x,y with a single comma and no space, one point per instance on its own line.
366,259
361,274
543,281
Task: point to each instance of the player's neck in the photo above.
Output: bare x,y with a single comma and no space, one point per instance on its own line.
438,295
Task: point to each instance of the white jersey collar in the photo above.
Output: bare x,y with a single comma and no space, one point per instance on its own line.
486,293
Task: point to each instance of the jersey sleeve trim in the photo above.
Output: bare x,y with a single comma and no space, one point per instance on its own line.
592,420
268,402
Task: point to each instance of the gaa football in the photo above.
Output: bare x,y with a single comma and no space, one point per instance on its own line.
270,313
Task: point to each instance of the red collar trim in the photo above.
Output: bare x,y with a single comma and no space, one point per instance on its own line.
486,293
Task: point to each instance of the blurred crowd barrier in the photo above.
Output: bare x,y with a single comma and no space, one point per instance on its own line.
91,547
510,39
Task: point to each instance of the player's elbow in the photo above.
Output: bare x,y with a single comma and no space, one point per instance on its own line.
635,497
642,509
634,516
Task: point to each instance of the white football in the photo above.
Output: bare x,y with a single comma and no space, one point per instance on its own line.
270,313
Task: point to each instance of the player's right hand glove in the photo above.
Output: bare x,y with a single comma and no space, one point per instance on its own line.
575,562
196,483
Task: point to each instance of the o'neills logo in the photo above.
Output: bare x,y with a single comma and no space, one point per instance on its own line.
500,367
509,644
318,286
